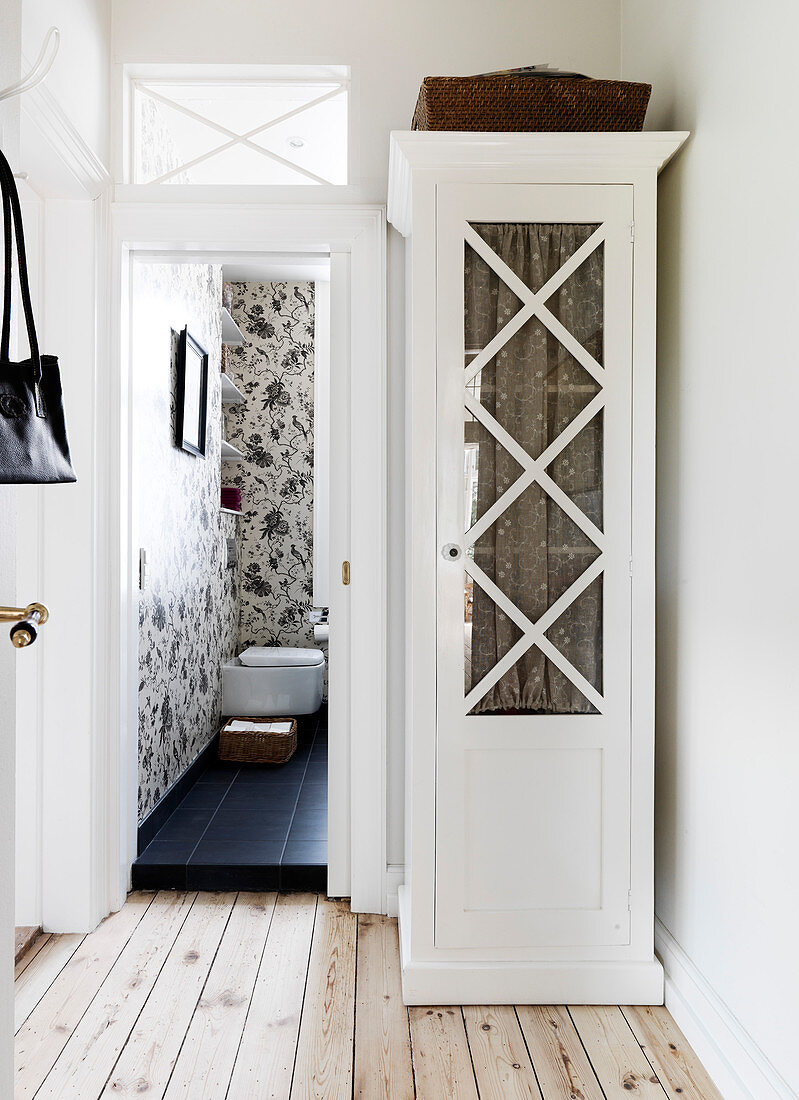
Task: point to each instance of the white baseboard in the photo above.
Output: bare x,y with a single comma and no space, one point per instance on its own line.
395,877
737,1065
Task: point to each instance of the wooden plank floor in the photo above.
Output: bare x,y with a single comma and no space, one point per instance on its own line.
24,939
231,997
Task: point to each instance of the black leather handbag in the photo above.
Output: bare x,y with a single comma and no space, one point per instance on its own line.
33,432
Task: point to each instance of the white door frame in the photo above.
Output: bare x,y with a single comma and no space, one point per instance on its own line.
355,237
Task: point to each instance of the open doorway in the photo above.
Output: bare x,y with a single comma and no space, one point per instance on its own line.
217,233
230,372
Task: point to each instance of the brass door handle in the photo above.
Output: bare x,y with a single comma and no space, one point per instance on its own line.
26,620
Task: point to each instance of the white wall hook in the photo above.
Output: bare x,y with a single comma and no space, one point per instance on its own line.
41,67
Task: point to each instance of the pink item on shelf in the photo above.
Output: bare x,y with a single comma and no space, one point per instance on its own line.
231,497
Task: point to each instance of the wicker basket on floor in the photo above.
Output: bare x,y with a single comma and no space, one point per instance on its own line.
529,103
257,746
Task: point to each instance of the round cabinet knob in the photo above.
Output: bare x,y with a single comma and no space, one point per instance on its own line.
451,552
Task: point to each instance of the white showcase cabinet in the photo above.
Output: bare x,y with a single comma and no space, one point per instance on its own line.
530,634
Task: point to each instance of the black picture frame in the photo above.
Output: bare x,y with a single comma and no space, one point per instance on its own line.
192,395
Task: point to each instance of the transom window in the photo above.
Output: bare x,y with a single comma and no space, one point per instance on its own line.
280,125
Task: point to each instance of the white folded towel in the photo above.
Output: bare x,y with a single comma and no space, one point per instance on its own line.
259,727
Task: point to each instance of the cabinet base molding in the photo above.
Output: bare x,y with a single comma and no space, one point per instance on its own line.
447,982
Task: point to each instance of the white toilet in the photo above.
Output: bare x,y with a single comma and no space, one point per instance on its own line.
273,680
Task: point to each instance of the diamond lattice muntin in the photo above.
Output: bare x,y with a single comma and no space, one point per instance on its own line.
533,471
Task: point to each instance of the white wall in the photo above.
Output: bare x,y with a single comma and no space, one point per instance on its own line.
79,77
728,534
390,48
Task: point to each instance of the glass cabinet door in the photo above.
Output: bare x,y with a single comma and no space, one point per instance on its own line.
533,540
534,449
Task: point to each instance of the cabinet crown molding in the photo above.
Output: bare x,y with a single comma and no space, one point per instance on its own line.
413,151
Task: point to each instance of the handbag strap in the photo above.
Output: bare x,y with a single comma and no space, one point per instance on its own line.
7,245
11,206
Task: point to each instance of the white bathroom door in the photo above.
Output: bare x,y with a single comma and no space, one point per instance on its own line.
534,572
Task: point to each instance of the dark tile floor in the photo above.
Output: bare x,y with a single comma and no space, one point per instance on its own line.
248,826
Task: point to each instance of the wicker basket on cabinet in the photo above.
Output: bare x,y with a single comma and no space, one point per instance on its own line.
529,103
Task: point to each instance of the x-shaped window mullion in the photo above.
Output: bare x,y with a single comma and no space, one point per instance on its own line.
240,139
533,633
534,470
534,304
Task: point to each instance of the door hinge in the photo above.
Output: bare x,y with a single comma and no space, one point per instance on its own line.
631,566
629,901
632,232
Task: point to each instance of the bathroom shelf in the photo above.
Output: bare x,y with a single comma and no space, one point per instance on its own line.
231,394
230,453
231,333
231,511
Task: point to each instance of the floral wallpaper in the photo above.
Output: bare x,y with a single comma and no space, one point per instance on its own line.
188,610
274,368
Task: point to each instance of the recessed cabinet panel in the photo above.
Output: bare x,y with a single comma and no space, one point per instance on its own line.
534,453
544,806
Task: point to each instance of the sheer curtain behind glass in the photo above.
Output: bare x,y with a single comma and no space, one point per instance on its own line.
534,388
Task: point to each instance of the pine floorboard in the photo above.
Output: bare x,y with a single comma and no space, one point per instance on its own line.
383,1061
216,996
24,938
265,1059
29,954
214,1037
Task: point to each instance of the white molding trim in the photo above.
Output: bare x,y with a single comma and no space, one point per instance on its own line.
216,230
395,880
45,112
106,696
733,1059
436,151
